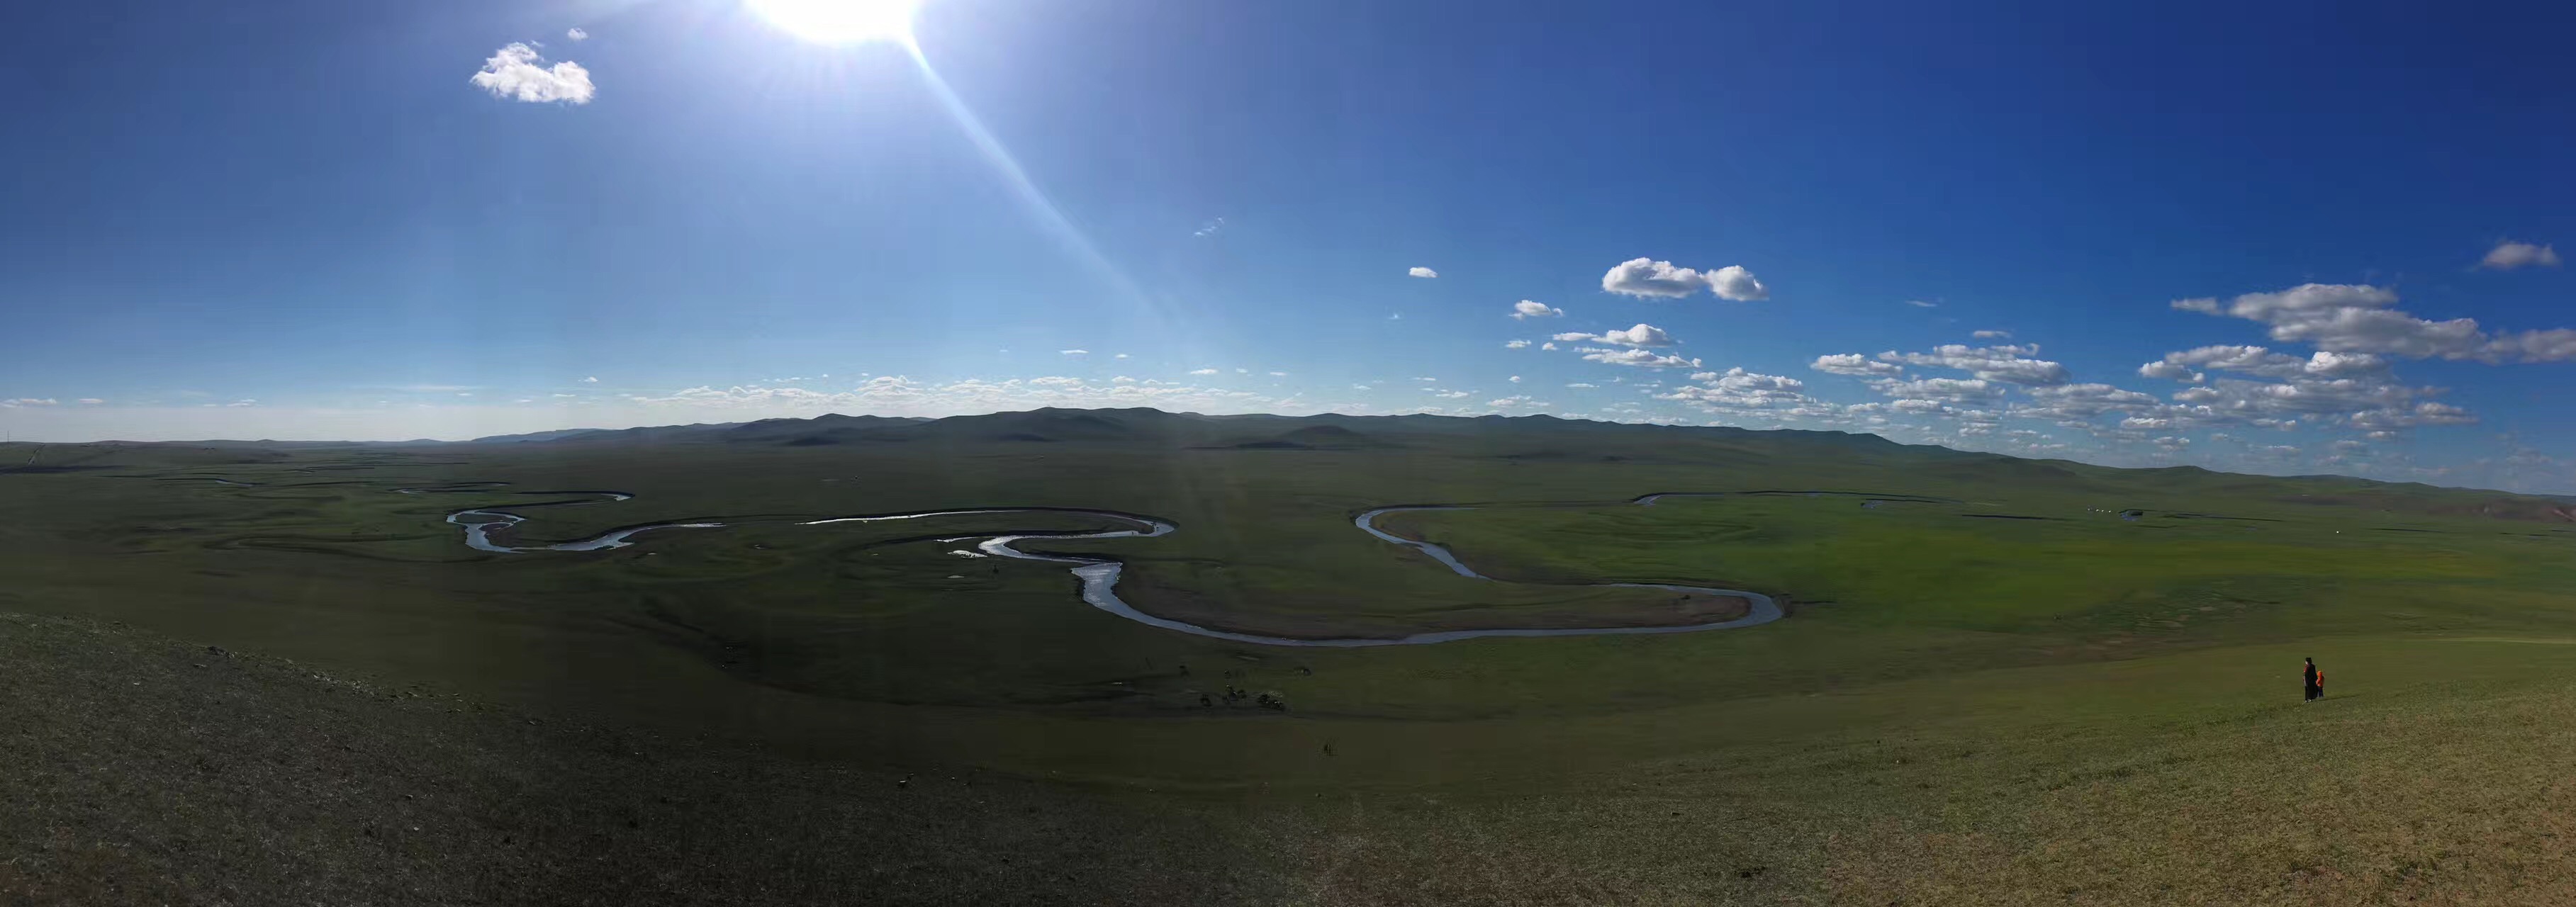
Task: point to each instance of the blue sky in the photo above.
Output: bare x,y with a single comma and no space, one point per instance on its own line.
366,221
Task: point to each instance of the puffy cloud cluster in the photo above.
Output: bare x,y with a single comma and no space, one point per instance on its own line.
2187,365
1855,364
1940,388
2085,401
1648,277
2355,388
517,73
1737,389
2350,318
2001,364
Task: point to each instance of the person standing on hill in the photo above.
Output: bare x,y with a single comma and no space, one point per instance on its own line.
2313,680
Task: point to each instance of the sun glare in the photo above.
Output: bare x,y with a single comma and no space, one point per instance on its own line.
840,21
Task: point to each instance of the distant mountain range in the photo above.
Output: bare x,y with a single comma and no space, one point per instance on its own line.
1331,431
1519,439
1537,439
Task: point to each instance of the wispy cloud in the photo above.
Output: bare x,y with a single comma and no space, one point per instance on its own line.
1075,352
2508,255
1641,335
576,34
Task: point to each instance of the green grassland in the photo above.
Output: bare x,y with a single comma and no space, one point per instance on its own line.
1961,707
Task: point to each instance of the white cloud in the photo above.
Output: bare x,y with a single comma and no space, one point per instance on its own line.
2007,364
1419,271
2508,255
1637,357
1992,335
2358,319
516,72
1855,364
1203,371
1243,371
1075,352
590,380
1940,388
1547,346
1528,309
1579,385
1278,374
1641,335
1920,304
2085,400
1648,277
1515,401
1516,344
2424,413
576,34
1211,228
1736,283
31,401
1119,356
91,401
1515,379
1445,395
1738,390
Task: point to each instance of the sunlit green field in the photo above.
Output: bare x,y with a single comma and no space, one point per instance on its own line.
2063,706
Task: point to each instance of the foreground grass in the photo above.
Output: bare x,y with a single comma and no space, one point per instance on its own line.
144,770
140,770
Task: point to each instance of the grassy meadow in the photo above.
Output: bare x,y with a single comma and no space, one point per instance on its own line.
1993,687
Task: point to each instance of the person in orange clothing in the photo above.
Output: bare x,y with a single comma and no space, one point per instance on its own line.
2313,680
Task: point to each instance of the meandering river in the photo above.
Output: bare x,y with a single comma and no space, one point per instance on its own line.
1099,575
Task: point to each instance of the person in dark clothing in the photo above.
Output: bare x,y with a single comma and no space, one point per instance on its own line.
2313,680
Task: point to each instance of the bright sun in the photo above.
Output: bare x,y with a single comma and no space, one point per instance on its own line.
840,21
